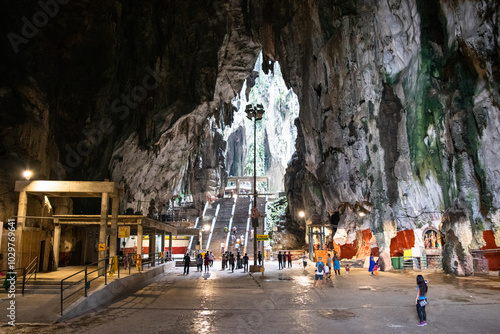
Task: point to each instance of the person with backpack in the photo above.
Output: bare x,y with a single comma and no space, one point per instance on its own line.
320,272
421,300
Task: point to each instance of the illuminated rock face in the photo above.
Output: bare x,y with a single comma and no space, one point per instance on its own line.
399,107
399,113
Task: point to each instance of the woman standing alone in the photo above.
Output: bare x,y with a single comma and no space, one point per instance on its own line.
421,300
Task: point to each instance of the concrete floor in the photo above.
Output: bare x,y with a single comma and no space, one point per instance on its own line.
283,301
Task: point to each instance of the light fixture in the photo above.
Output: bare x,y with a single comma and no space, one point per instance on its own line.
206,228
361,214
302,214
27,174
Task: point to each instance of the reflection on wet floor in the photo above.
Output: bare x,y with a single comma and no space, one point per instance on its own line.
202,322
336,314
303,280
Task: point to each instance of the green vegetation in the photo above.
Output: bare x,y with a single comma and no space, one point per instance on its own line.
276,210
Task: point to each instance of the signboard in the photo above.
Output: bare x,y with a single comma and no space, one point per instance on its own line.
262,237
255,213
102,247
123,231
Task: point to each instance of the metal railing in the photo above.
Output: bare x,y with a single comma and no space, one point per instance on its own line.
104,268
30,270
153,260
26,273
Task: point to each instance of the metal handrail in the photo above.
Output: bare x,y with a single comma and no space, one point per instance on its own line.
29,271
103,271
85,279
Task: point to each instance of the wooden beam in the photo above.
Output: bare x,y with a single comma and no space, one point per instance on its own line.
88,188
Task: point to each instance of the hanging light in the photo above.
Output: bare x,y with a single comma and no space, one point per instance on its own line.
302,214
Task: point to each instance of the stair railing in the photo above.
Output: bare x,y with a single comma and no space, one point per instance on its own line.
29,271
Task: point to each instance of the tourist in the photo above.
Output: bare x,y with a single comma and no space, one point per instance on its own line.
329,261
347,269
280,259
187,262
289,260
207,261
227,258
421,300
304,260
327,273
320,272
372,265
259,258
336,265
231,262
211,258
199,263
375,268
238,261
245,263
223,261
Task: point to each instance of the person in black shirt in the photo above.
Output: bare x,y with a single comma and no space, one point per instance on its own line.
245,263
231,262
259,258
187,262
280,259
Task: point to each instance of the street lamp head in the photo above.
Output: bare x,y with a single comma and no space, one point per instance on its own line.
27,174
302,214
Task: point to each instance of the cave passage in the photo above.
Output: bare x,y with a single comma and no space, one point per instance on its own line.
276,132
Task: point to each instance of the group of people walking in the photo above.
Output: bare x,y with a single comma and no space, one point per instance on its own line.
229,261
283,258
207,260
323,271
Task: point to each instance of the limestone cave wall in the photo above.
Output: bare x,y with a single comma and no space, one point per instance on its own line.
399,117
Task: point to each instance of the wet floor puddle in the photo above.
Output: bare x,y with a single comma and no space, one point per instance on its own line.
368,288
459,300
336,314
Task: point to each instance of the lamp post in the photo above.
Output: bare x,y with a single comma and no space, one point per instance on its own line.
255,113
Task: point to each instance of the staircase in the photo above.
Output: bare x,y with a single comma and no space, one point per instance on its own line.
225,217
43,286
